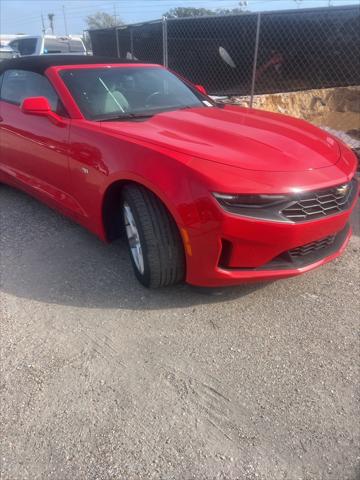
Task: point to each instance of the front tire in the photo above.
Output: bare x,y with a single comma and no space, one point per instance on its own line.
155,246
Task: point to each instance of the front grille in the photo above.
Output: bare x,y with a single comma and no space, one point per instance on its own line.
312,247
320,203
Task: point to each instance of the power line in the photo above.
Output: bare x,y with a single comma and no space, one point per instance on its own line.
130,10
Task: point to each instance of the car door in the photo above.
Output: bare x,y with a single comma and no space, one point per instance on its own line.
34,150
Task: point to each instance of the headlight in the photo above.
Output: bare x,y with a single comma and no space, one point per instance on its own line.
258,206
249,201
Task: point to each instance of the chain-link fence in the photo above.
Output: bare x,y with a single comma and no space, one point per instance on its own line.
258,58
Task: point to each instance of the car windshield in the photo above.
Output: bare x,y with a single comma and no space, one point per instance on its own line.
115,93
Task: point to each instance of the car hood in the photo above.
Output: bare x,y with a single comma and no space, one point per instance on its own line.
240,137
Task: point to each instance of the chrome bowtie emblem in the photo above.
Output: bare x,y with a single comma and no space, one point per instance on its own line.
342,190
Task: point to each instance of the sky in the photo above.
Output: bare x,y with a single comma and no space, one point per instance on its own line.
24,16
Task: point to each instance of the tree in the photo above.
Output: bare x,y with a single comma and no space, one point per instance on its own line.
230,11
102,20
182,12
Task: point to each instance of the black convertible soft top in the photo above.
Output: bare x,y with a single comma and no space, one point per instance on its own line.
39,63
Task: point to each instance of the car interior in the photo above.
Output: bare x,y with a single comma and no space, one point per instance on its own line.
101,92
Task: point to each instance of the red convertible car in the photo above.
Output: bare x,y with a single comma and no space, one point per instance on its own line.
213,195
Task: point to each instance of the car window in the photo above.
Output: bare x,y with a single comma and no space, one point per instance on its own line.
55,45
62,45
20,84
76,46
25,46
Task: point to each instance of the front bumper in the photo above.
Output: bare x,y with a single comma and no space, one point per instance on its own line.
232,250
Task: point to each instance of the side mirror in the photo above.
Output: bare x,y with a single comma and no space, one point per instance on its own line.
41,107
201,89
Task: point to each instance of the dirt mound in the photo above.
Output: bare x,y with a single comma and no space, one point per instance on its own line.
336,108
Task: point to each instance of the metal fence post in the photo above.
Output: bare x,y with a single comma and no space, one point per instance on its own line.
256,50
117,43
165,42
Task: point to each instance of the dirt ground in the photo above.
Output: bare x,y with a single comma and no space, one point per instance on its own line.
336,108
103,379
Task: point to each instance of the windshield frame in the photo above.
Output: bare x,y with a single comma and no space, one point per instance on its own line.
204,100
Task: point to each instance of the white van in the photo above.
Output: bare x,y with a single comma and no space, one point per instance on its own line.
48,44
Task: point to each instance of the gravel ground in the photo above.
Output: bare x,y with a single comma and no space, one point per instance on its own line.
102,379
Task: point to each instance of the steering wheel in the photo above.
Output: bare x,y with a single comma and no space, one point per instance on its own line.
151,97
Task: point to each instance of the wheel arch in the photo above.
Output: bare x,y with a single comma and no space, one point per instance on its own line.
111,220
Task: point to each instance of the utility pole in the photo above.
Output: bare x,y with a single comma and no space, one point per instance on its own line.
65,21
43,24
51,20
115,14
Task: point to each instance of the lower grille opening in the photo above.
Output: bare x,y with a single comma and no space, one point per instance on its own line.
226,250
312,247
309,253
300,256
